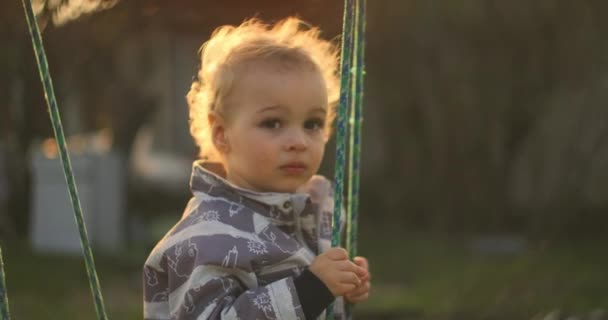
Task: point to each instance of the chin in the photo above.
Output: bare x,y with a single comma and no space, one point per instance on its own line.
288,184
289,187
286,189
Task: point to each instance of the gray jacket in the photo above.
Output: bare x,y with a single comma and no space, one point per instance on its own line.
235,252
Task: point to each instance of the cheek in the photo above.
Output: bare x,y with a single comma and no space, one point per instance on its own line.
318,148
261,149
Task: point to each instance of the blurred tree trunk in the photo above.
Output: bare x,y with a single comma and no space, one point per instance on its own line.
468,87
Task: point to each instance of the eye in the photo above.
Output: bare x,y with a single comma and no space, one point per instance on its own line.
314,124
271,123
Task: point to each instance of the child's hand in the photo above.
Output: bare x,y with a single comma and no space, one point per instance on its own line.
338,273
361,293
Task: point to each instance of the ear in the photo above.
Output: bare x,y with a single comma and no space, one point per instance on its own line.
218,132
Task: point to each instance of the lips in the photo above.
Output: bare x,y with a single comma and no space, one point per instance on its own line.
294,167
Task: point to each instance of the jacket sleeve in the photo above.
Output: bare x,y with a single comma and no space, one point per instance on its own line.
223,296
208,278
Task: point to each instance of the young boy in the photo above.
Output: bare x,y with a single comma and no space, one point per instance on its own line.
253,242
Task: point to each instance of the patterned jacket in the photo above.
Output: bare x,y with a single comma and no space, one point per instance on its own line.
234,254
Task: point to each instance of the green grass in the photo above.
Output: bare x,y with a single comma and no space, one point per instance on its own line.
414,277
442,278
55,287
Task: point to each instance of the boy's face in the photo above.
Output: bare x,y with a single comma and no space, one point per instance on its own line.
274,130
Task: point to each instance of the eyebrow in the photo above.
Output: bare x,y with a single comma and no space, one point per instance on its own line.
316,109
319,109
269,108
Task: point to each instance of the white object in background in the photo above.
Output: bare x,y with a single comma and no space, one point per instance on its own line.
100,184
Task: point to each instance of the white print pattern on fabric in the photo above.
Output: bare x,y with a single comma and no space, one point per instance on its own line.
262,302
231,258
210,215
161,296
201,276
235,209
210,228
257,247
182,251
272,237
151,278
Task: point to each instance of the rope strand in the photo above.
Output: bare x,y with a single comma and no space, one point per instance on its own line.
345,85
341,122
64,156
355,122
4,313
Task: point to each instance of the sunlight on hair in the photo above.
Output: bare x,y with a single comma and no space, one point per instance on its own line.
63,11
290,41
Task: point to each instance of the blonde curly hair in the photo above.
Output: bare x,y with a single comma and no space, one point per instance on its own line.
290,41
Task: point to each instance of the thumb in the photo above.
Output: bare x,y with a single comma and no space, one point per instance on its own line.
337,253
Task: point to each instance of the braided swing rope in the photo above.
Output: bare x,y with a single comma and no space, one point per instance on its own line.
351,100
344,104
3,296
49,93
355,122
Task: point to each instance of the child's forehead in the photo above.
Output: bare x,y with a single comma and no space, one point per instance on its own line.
273,65
277,74
268,85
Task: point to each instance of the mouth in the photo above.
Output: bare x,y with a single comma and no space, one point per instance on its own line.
293,168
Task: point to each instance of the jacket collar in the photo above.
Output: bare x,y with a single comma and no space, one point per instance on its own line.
208,178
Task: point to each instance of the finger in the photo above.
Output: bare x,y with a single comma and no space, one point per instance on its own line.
361,262
356,293
368,277
351,267
346,287
362,273
337,253
356,299
353,297
351,278
346,265
360,290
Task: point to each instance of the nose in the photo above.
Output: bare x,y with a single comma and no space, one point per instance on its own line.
296,140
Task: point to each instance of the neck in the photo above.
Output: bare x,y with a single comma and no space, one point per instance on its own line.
215,167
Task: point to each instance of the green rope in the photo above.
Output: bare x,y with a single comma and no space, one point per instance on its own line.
355,122
345,84
3,295
344,104
65,159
